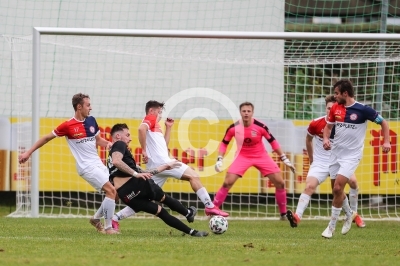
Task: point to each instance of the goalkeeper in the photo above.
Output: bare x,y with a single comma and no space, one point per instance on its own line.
249,133
136,188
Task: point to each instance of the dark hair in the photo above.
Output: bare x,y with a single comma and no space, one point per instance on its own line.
78,99
153,104
118,127
246,104
330,99
345,85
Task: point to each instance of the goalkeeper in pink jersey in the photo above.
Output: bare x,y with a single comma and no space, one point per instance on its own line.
248,133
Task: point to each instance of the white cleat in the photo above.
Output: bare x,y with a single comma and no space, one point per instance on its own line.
347,223
328,232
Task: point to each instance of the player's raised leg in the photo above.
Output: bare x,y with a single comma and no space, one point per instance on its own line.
194,180
177,206
304,199
122,214
157,210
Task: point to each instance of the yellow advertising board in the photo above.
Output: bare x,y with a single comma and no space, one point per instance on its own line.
377,172
195,142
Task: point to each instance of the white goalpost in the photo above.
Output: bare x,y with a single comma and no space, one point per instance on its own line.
202,76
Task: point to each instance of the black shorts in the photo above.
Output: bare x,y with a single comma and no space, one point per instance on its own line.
139,193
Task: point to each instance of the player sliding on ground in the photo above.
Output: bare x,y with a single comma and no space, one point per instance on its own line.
155,153
137,190
319,169
350,120
249,134
83,135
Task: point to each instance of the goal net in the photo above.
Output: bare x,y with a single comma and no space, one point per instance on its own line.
203,81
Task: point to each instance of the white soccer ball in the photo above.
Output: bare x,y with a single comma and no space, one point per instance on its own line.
218,224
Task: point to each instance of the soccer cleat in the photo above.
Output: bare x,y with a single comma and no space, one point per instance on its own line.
293,218
200,234
328,232
347,223
115,225
111,231
96,223
215,211
190,218
359,221
283,217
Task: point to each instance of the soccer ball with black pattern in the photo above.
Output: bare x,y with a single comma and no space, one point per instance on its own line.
218,224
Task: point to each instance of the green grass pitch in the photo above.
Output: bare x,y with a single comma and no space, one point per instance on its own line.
54,241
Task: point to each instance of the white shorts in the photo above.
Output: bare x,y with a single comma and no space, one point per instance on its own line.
161,178
319,171
96,175
343,166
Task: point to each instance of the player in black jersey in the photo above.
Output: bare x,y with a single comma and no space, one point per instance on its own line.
136,188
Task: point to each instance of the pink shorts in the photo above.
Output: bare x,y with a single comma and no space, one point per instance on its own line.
263,163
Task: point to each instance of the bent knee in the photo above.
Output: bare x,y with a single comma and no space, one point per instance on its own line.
158,210
227,185
353,183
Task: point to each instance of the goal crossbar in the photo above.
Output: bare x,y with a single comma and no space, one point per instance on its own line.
38,31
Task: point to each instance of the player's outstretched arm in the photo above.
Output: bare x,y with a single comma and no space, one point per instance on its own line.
309,147
122,166
102,142
284,159
168,126
386,137
38,144
327,134
142,140
170,165
219,163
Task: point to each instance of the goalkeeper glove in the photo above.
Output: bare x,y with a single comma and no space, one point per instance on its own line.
218,164
286,161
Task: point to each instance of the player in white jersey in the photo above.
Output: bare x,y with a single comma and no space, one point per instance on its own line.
350,120
155,153
319,169
83,136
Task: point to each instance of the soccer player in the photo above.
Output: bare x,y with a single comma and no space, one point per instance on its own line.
350,120
137,190
83,135
319,169
155,153
249,133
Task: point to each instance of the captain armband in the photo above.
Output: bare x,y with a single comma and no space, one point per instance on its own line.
378,120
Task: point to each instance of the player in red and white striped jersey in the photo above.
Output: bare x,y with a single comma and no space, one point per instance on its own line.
155,153
319,169
350,120
83,136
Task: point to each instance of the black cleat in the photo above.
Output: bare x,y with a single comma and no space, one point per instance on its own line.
190,218
199,233
293,218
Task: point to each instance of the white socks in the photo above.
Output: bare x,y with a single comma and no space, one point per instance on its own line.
334,217
302,204
124,213
346,207
353,195
205,197
108,207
